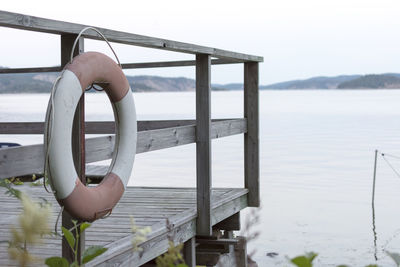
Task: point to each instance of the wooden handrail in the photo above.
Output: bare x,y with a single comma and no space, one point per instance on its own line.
32,23
26,160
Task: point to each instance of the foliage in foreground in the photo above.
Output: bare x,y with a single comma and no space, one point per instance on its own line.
33,224
307,259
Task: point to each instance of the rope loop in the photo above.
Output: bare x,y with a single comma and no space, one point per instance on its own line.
101,35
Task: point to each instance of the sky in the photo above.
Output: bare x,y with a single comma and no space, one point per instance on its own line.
298,39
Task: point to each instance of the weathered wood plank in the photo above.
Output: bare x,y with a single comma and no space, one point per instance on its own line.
189,252
203,143
139,65
31,23
180,63
251,137
101,127
114,232
31,70
232,223
26,160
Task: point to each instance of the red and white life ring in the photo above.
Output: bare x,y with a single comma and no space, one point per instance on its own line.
90,203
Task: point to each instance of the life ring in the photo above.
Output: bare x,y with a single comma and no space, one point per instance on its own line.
89,203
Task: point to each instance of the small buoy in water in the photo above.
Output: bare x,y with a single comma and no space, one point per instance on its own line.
272,254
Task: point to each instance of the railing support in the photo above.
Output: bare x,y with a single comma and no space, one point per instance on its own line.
203,143
78,145
251,138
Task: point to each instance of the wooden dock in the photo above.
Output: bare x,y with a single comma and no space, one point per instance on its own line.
195,214
150,206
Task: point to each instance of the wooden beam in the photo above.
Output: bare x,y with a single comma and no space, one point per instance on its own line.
31,70
189,252
31,23
78,147
105,127
26,160
203,144
139,65
207,258
251,138
230,224
241,252
180,63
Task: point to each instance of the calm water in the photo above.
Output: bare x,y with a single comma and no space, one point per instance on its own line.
317,153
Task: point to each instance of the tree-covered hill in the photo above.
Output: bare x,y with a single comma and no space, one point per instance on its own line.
372,81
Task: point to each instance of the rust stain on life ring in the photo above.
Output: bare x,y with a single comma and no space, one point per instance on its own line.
91,203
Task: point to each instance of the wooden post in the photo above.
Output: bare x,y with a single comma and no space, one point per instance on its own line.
78,144
251,138
189,252
203,143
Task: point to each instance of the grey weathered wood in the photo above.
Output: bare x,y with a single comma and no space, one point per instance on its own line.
141,65
241,251
251,137
203,143
27,160
230,224
120,251
180,63
207,258
31,70
114,232
31,23
78,147
189,252
106,127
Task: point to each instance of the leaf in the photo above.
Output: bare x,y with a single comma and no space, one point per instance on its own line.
304,260
84,225
311,256
69,236
74,264
56,262
371,265
395,257
181,265
10,191
301,261
92,252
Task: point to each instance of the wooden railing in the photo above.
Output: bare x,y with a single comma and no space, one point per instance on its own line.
152,135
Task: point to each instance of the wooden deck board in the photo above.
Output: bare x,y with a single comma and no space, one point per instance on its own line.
150,206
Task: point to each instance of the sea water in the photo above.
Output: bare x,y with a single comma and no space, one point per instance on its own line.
316,159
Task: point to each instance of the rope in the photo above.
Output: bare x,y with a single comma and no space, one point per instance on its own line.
58,219
390,165
49,130
389,155
101,35
94,87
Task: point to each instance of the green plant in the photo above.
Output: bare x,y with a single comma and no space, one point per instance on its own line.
34,224
72,240
304,260
171,258
307,259
139,235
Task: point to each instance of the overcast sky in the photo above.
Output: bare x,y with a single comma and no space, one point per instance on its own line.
297,38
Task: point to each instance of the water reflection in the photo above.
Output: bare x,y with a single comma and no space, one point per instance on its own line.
374,232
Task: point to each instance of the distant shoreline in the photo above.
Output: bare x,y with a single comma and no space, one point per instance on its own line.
42,83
